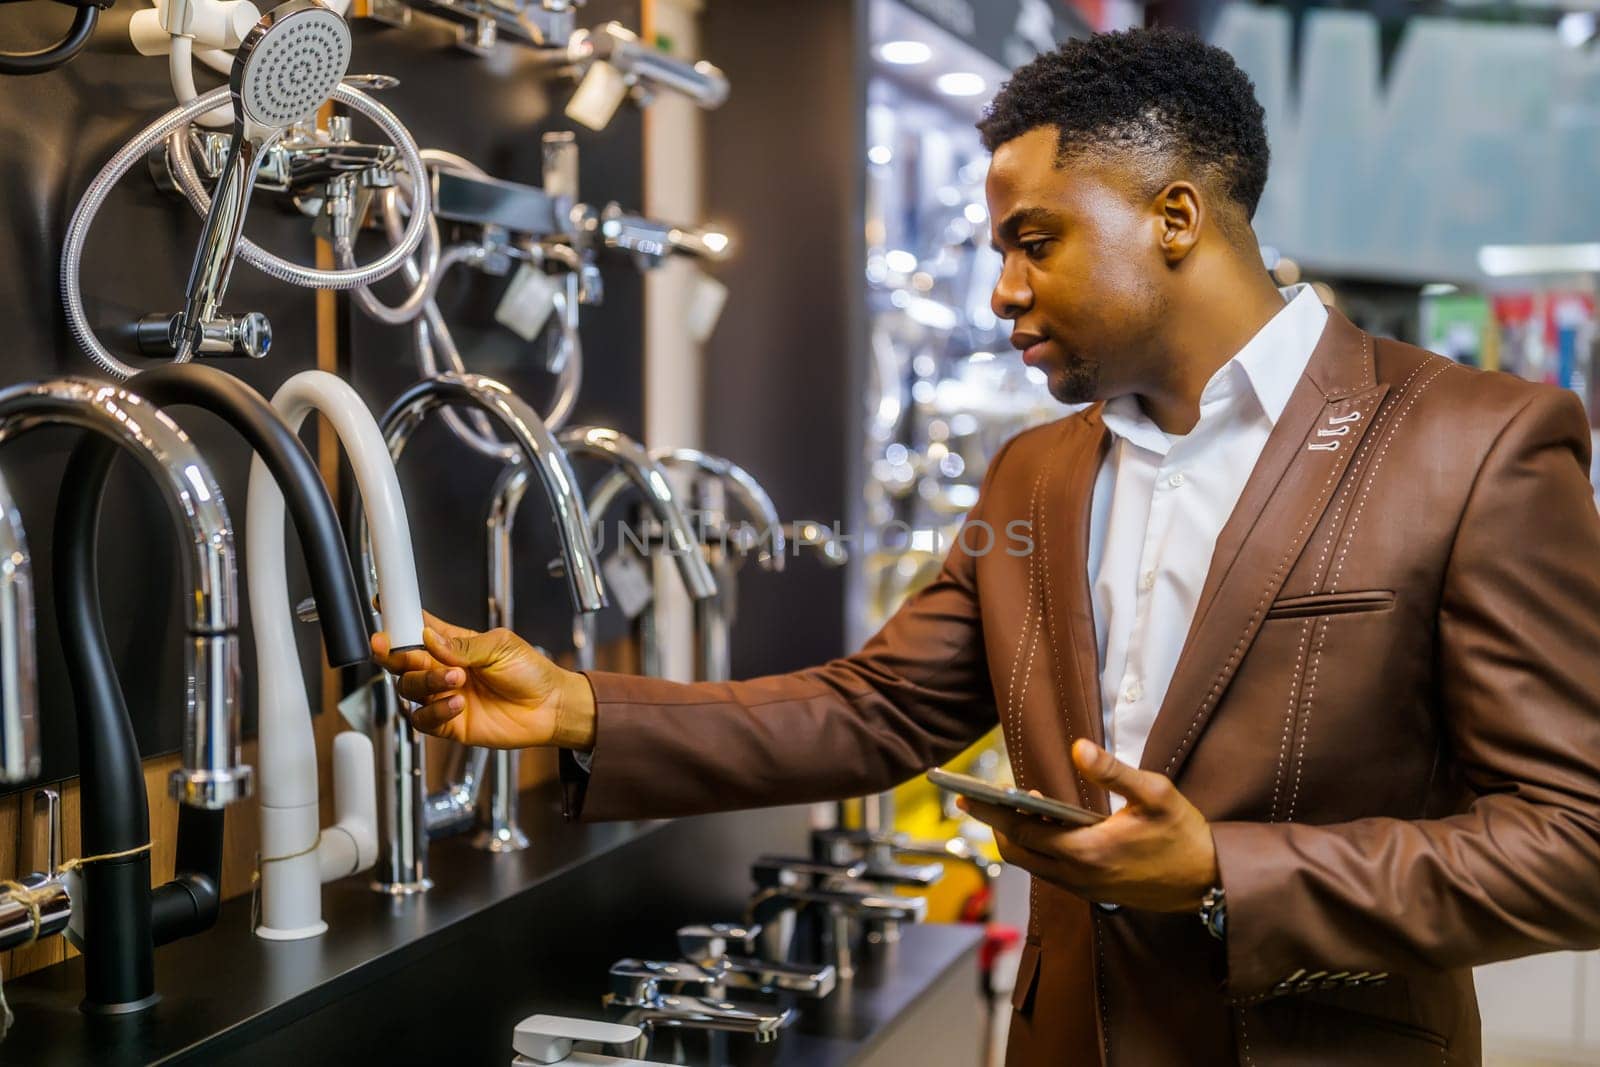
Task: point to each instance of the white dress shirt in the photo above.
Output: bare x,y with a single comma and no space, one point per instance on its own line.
1159,503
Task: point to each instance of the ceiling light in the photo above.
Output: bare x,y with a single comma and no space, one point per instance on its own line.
904,53
880,154
961,83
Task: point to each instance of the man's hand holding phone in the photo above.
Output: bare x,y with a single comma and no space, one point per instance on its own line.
1155,854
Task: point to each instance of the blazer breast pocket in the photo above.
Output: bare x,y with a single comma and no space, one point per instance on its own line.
1350,602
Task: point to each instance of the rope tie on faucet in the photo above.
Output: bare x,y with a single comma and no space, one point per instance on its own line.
30,897
261,863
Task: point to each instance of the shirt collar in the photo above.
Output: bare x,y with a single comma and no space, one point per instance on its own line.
1271,363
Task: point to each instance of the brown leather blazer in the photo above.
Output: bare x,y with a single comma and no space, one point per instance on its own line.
1388,707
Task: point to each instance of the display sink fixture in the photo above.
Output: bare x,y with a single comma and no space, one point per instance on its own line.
410,815
297,854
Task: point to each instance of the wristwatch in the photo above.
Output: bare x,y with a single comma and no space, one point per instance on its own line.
1214,912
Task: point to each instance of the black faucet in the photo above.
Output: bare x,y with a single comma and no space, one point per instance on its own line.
124,919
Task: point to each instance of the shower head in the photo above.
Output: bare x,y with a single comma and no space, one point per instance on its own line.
286,67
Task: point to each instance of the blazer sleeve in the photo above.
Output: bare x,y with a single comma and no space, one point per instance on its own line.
1518,871
916,694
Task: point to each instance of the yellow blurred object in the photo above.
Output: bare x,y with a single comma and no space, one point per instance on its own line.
920,815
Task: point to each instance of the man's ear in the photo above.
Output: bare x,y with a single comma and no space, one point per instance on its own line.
1181,212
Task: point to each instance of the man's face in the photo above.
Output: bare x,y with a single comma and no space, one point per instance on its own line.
1083,276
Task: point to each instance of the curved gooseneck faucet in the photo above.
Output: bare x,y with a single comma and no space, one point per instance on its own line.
119,965
297,855
189,903
634,463
713,615
411,816
19,693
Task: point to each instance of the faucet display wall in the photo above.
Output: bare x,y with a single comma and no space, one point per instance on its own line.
409,814
123,919
297,857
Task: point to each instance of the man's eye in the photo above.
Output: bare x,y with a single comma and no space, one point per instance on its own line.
1035,248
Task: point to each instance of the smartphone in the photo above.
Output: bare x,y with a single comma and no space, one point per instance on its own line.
1008,797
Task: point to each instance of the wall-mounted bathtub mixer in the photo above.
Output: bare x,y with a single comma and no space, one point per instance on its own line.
544,229
298,855
123,920
409,816
286,67
609,62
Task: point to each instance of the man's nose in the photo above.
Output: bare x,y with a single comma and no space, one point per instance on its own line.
1011,296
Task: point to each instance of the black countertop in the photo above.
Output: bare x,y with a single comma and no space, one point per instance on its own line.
888,984
498,938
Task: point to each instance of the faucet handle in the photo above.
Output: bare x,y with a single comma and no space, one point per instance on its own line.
790,872
707,942
637,979
50,801
549,1038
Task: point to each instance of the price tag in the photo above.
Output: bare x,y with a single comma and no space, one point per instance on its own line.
706,301
628,583
356,708
598,96
527,303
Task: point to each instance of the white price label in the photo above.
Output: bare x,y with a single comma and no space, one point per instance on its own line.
598,96
706,301
628,583
528,302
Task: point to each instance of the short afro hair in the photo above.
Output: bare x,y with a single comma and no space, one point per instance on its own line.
1148,91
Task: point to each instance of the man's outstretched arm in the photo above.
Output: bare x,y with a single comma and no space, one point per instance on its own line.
916,694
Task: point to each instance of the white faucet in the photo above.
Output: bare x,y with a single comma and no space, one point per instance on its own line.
298,856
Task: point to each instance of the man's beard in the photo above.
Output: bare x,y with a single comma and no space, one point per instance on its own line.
1077,382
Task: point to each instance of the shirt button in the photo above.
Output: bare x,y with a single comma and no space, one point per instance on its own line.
1132,692
1147,581
1175,479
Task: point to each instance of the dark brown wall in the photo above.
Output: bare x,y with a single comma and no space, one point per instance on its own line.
783,370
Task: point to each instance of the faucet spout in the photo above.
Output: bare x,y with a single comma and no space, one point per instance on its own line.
629,457
19,694
119,904
539,447
297,856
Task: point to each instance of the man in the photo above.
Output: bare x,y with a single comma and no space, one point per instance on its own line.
1313,613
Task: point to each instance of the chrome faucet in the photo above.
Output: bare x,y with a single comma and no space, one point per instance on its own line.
836,893
647,993
410,815
44,905
19,692
122,918
708,945
715,479
635,463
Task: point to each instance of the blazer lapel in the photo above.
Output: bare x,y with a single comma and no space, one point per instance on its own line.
1062,529
1295,479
